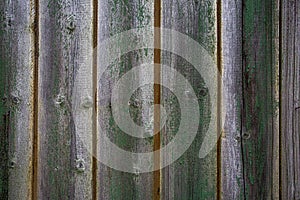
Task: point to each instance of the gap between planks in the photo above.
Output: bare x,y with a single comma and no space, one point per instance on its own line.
35,38
95,111
219,109
157,96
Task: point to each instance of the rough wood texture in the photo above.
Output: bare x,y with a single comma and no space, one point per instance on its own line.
232,180
116,17
189,177
50,88
16,93
65,100
290,100
259,116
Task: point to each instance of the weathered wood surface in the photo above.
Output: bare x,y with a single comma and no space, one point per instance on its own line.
252,95
16,93
189,177
232,179
116,17
259,116
53,100
65,100
290,100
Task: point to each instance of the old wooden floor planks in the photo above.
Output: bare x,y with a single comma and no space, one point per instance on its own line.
54,100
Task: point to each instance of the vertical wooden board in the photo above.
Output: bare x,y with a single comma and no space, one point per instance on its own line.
16,93
116,17
232,180
189,177
65,100
290,100
259,118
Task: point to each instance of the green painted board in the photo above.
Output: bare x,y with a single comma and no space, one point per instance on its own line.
115,17
260,101
189,177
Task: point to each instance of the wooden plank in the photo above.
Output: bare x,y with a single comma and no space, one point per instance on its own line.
16,93
260,117
232,180
116,17
290,100
189,177
65,100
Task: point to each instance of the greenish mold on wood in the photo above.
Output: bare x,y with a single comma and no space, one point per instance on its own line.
259,98
190,177
116,17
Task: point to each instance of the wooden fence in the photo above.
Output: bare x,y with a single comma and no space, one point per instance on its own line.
53,98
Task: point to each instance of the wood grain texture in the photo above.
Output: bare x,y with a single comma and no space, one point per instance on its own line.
65,100
259,113
232,180
116,17
54,102
16,93
189,177
290,100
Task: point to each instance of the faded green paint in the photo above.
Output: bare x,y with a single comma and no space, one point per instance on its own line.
190,177
115,17
7,104
4,120
259,97
3,112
